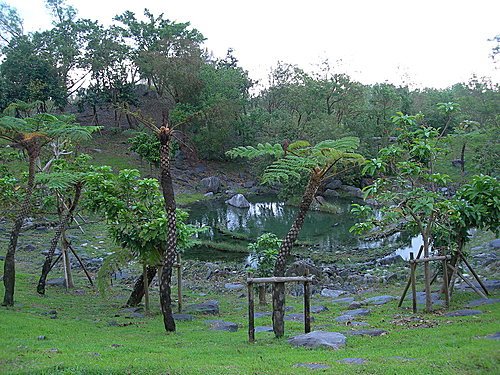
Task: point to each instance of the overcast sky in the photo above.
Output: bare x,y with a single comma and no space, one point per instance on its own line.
432,43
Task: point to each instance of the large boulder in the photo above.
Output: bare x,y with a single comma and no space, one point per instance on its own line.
207,308
299,267
316,339
333,184
238,201
352,190
211,184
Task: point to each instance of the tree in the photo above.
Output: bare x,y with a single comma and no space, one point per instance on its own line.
31,135
318,162
11,24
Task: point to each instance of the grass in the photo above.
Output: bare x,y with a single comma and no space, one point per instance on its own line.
81,340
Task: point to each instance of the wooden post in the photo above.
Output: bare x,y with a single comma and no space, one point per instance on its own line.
455,269
408,284
445,284
179,283
307,303
476,276
413,283
146,287
251,322
81,264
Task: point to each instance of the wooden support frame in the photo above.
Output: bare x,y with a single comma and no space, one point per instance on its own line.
251,281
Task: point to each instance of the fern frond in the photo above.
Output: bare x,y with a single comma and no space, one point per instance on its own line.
251,152
298,145
120,258
345,144
58,180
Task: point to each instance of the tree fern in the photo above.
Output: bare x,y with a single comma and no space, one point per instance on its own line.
251,152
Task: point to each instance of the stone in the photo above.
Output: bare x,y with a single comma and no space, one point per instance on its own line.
352,190
435,297
263,329
209,194
57,282
315,339
333,184
249,184
495,243
463,313
358,324
312,366
298,268
28,247
344,301
329,193
493,336
391,259
320,200
238,201
296,317
332,293
352,315
368,332
212,184
318,309
354,305
207,308
200,169
234,286
221,325
482,301
378,300
352,361
262,314
42,337
183,317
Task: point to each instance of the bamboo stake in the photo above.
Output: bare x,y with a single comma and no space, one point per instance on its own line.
413,283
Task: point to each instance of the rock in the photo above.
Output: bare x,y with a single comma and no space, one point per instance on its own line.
296,317
391,259
207,308
57,282
390,278
234,286
28,247
378,300
493,336
344,301
352,315
333,184
315,339
482,301
318,309
238,201
354,305
183,317
220,325
435,297
357,324
42,337
299,267
329,193
463,313
209,194
332,293
495,244
263,329
489,284
211,184
249,184
312,366
262,314
352,361
352,190
200,169
113,323
368,332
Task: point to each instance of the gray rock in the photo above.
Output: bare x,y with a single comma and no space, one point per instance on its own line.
344,301
495,243
200,169
212,184
57,282
315,339
352,190
332,293
220,325
367,332
318,309
312,366
391,259
28,247
183,317
299,267
358,324
42,337
207,308
482,301
493,336
435,298
209,194
263,329
329,193
249,184
354,305
378,300
296,317
352,361
463,313
489,284
238,201
333,184
234,286
352,315
262,314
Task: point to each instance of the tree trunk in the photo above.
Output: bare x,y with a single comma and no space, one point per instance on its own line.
57,235
262,295
9,269
284,252
170,251
138,291
462,159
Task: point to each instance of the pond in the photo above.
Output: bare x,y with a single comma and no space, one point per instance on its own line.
326,231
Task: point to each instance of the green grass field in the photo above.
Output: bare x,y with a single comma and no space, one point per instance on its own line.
91,335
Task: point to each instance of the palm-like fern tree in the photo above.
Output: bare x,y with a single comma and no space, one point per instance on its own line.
318,161
31,135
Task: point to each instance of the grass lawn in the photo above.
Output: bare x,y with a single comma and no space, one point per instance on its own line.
91,335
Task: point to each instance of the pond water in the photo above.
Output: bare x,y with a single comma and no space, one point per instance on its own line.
326,231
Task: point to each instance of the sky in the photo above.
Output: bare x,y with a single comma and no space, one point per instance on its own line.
425,43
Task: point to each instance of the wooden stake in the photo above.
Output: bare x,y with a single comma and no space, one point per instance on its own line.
445,284
413,283
179,283
467,281
307,304
251,322
476,276
408,284
81,264
146,287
